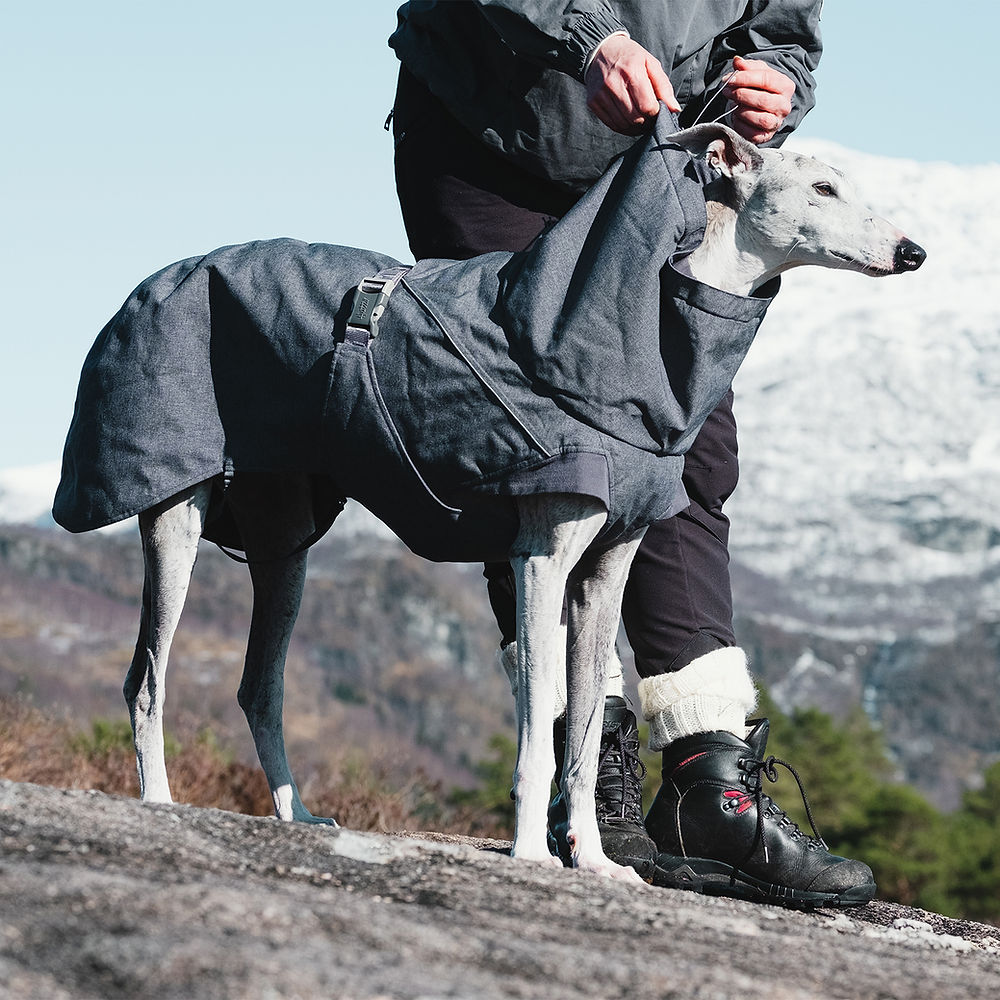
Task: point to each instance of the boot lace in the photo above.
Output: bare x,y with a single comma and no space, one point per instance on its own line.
619,778
755,770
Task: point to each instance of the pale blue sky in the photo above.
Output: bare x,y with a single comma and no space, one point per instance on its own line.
136,134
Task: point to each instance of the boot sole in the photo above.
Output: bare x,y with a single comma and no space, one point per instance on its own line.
713,878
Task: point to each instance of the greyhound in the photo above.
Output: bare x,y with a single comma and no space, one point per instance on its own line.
767,211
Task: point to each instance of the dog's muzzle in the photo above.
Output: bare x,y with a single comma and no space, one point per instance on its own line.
908,256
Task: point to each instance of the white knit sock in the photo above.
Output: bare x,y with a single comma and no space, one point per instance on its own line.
507,657
713,692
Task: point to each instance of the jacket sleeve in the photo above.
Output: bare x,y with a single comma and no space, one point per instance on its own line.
787,36
555,35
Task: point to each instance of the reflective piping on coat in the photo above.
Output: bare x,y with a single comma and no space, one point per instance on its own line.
478,372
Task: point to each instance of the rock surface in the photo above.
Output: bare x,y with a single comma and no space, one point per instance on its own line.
106,897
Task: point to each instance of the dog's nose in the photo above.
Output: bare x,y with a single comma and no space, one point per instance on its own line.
909,256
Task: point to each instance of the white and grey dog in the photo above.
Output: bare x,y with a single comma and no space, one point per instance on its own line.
768,211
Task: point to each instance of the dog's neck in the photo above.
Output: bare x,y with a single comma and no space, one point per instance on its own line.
727,258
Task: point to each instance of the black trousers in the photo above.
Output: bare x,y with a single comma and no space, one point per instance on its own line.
460,199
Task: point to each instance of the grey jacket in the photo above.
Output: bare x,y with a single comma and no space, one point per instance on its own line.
585,364
511,70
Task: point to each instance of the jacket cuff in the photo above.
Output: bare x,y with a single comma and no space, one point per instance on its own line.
586,32
594,50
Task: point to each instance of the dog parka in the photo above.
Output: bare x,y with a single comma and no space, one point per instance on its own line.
585,364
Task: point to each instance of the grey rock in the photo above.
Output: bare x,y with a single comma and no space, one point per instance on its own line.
107,897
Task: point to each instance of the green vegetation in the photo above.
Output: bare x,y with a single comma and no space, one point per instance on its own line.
492,797
109,736
105,736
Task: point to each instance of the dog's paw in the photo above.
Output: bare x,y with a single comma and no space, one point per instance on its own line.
288,808
548,860
540,855
317,820
610,869
625,873
597,861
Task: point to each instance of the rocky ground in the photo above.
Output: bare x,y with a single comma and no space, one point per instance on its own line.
106,897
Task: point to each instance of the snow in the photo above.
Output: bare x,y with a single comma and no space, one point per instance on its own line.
26,493
869,410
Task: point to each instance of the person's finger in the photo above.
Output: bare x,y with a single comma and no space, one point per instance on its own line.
640,100
762,97
761,100
608,109
755,126
754,74
620,108
605,107
622,104
662,87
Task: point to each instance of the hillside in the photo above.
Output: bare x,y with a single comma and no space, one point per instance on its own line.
392,658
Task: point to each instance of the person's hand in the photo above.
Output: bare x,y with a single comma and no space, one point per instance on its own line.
625,85
762,96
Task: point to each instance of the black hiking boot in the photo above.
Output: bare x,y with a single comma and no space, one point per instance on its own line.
719,834
618,795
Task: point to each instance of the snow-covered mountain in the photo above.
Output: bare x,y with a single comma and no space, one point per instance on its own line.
869,410
866,528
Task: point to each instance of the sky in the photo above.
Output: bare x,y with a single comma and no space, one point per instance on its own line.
137,134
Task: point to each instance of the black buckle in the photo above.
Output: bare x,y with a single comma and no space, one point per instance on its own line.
368,306
370,299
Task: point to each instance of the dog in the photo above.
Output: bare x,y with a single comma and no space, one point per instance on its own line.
765,211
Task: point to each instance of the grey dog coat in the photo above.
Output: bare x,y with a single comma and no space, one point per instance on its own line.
585,365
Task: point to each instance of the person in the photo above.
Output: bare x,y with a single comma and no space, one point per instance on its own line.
505,113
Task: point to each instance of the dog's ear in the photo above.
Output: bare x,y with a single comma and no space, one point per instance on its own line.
724,150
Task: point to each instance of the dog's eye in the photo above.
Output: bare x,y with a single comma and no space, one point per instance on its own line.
825,189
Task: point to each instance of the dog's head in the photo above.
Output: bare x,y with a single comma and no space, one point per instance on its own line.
796,209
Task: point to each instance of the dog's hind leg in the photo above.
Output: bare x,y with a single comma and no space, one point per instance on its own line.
277,593
594,599
554,532
170,533
275,518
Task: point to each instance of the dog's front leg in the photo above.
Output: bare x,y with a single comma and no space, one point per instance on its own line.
594,600
554,531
